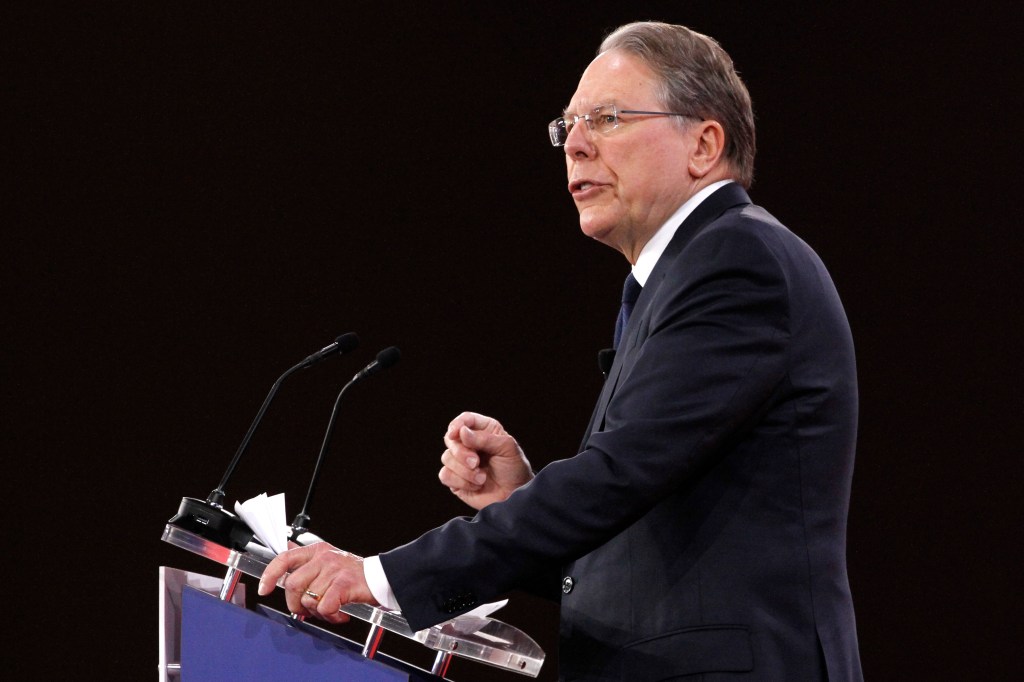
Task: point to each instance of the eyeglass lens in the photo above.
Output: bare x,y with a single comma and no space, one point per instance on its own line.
602,118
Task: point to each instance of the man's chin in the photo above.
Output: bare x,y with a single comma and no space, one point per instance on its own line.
596,224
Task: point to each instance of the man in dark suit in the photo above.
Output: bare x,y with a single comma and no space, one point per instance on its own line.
701,529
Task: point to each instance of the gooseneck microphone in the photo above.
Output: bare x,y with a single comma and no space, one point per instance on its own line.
208,518
386,358
341,345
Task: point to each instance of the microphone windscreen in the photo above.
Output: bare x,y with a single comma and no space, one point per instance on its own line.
388,357
347,342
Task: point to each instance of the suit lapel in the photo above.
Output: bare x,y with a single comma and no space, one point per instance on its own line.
711,208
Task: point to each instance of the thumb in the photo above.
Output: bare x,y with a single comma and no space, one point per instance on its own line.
484,441
474,440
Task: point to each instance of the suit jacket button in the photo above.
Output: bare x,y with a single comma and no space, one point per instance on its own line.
567,584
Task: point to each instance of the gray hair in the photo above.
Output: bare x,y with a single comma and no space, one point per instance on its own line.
698,79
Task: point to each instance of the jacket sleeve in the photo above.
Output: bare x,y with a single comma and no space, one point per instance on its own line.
703,363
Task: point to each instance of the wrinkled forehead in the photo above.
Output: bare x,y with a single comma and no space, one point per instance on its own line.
614,77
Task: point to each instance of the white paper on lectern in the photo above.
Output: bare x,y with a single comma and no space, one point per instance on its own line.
485,610
265,516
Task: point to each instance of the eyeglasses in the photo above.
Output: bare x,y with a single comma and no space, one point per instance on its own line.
602,119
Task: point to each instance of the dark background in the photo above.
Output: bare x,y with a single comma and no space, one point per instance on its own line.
198,197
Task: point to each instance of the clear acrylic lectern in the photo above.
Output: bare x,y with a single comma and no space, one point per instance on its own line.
484,640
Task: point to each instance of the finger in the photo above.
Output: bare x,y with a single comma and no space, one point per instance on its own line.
295,596
283,563
314,576
462,466
329,607
456,424
305,568
305,587
311,583
336,617
308,601
456,483
452,442
463,459
453,439
323,600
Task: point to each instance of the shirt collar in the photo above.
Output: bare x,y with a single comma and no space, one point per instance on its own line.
655,246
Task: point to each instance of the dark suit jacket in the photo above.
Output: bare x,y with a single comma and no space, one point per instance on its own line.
702,527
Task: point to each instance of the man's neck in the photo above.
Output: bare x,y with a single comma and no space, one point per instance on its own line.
655,246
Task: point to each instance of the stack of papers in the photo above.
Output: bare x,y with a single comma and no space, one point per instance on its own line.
265,516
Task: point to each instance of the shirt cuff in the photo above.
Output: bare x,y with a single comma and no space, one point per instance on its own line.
380,588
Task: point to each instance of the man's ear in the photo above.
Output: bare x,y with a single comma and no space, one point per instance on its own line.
710,148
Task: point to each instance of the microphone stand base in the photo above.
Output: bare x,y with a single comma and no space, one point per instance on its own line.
212,523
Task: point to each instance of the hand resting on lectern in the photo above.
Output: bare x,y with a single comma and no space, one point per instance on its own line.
321,579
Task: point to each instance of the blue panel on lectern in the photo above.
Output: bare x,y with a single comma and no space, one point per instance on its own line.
221,641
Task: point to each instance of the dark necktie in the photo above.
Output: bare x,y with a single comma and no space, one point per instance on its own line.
630,292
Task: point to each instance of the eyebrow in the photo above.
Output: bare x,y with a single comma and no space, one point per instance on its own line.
592,108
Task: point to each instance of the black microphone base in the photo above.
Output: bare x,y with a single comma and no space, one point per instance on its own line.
212,523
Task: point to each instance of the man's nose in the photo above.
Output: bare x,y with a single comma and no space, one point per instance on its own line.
579,144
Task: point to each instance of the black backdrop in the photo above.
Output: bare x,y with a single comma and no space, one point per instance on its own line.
197,197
